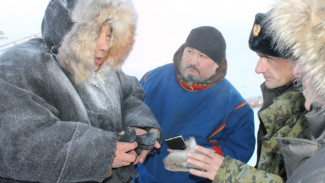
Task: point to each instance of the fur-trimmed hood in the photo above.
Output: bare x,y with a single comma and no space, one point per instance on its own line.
218,76
70,29
300,25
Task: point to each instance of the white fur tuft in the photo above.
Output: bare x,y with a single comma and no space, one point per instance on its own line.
177,161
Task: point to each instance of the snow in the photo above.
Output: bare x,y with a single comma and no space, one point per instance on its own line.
162,27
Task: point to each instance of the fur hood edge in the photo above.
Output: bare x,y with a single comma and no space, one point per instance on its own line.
78,48
299,25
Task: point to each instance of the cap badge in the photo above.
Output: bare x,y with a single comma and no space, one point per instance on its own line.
257,29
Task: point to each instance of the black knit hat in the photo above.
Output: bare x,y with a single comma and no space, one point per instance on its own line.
259,41
209,41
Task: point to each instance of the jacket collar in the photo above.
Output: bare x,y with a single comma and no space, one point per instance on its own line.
193,86
296,151
273,122
316,120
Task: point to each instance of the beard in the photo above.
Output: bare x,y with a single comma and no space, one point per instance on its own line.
193,78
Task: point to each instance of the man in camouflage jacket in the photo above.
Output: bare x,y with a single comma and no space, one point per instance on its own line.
304,21
282,115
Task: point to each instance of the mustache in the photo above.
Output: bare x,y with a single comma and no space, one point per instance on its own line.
192,66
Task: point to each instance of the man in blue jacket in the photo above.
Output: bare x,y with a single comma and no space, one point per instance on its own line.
191,97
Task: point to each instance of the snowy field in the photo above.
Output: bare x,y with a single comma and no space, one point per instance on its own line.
163,26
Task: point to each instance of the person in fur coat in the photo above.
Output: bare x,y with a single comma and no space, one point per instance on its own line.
65,103
300,26
192,97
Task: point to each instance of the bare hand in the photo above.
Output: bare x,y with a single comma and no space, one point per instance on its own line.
176,150
124,154
210,162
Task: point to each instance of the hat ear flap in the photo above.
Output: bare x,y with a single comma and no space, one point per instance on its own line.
179,53
178,56
221,71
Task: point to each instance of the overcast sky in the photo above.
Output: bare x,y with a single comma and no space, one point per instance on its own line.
163,25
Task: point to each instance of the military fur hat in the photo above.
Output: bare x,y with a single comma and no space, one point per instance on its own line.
260,42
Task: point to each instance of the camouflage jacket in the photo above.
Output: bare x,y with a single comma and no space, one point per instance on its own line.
284,117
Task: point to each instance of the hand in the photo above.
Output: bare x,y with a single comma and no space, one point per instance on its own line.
144,153
139,131
175,150
124,154
210,162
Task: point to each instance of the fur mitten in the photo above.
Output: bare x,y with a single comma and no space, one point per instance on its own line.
176,161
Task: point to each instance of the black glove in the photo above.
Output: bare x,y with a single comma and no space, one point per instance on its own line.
145,142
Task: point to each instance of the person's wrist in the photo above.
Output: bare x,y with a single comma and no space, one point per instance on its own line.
109,173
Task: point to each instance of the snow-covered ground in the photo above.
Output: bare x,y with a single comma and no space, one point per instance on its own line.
163,26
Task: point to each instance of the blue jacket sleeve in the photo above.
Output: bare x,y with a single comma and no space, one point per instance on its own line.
238,138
